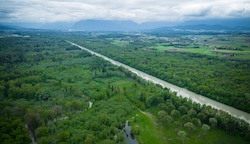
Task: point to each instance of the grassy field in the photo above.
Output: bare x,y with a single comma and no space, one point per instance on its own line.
119,42
200,50
154,131
219,45
149,132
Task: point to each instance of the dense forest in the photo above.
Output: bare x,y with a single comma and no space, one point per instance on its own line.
223,79
52,92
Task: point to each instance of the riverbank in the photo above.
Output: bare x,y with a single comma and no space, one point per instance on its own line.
180,91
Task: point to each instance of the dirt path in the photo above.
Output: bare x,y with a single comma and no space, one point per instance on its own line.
148,114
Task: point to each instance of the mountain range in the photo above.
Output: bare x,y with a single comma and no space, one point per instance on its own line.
127,25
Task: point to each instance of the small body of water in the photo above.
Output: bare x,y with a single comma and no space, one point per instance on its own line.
180,91
90,104
127,134
33,141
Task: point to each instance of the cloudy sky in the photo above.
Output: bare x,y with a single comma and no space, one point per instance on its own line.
136,10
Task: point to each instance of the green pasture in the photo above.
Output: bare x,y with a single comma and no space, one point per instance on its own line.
151,130
162,48
201,50
119,42
244,53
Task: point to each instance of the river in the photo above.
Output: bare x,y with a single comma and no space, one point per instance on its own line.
173,88
127,134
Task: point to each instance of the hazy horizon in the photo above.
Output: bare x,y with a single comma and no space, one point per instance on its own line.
48,11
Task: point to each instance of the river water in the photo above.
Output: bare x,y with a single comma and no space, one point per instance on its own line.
127,134
173,88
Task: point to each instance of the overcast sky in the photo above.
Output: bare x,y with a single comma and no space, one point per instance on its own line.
136,10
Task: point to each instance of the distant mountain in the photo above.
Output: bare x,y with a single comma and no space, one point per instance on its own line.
127,25
3,27
36,25
209,25
120,25
105,25
7,27
202,27
230,22
57,25
116,25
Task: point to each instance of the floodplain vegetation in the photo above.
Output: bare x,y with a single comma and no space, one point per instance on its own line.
189,61
53,92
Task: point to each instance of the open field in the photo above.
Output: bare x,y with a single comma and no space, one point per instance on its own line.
220,45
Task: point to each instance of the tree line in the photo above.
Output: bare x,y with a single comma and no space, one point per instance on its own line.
51,95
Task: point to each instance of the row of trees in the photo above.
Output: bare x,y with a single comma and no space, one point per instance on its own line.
184,114
191,116
51,96
224,80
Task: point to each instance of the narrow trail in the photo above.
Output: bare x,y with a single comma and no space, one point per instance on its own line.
150,116
157,126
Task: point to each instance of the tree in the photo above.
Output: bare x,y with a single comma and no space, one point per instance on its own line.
178,124
213,122
43,140
162,106
196,122
41,132
186,118
162,114
167,119
58,110
170,107
120,137
190,126
18,111
182,109
64,136
104,118
94,126
192,113
150,101
201,116
108,141
135,130
33,119
159,99
48,115
90,139
13,131
182,134
175,114
205,128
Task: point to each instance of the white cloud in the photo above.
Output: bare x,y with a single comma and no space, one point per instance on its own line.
137,10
